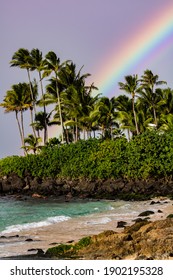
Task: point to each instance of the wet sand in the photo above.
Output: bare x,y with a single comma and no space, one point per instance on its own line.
76,228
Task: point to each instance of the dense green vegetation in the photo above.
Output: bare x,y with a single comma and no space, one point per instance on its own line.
101,137
147,155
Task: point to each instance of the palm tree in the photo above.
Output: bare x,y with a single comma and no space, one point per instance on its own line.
123,107
166,103
148,82
38,64
23,60
52,64
50,97
106,116
166,123
131,86
150,100
40,119
75,96
89,121
17,100
72,107
33,143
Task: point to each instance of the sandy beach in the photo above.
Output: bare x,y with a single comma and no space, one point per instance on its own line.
14,243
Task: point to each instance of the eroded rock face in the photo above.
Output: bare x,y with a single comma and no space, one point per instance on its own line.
143,240
85,188
12,184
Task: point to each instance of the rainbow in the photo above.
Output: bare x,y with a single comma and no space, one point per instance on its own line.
149,41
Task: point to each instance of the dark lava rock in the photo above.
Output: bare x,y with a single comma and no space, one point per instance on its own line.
40,252
154,202
160,211
121,224
138,220
29,239
146,213
32,250
14,236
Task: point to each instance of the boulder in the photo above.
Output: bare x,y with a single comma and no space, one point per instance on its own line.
121,224
146,213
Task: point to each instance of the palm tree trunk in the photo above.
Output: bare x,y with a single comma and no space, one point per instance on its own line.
134,113
128,132
32,98
20,130
76,130
22,125
32,121
44,109
111,129
74,134
59,106
155,117
67,134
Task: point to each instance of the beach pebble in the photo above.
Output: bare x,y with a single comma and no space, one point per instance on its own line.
70,241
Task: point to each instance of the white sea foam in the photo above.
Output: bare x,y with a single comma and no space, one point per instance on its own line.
98,221
110,207
27,226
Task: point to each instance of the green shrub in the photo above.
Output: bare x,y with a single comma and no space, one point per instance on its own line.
59,251
84,242
147,155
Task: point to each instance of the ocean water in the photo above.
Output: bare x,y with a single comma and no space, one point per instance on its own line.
16,215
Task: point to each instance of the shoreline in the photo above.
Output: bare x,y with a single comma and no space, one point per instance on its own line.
76,228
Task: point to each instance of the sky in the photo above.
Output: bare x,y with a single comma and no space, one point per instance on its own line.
109,38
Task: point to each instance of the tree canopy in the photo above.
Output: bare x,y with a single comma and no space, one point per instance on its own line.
79,109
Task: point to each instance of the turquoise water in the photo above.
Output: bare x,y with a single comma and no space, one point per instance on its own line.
17,215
